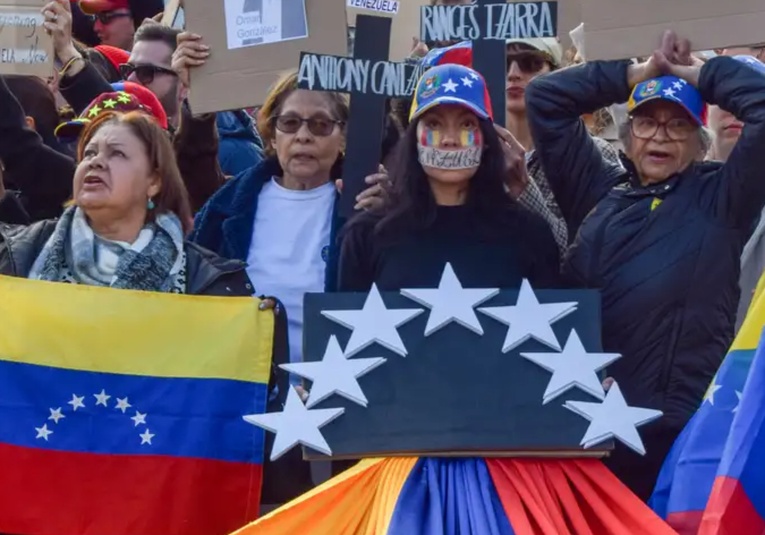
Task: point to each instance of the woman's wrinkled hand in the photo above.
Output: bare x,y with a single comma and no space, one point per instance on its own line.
191,52
673,57
516,175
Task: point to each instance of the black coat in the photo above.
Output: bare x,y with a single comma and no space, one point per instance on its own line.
207,274
666,257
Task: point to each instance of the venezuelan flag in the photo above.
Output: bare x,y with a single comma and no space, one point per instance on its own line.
713,480
121,412
440,496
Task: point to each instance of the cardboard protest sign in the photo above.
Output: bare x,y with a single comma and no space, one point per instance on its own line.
614,29
253,42
25,47
174,15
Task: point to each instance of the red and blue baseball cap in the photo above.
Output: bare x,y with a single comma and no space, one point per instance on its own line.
126,97
670,89
752,62
460,54
451,84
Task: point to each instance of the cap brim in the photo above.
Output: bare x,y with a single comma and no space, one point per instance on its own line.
71,129
449,100
696,119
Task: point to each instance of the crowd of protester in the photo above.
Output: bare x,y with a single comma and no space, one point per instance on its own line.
108,178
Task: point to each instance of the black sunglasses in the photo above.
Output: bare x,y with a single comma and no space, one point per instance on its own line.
528,62
144,73
318,126
108,16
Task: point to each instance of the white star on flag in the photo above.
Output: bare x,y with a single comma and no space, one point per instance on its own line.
373,323
43,432
295,425
529,318
138,418
334,374
573,367
669,92
467,81
77,402
451,302
613,418
146,437
101,398
122,405
450,86
55,415
710,393
738,395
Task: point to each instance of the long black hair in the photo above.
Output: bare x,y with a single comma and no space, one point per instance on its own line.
411,205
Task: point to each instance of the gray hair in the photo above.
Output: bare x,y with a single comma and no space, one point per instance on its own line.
706,137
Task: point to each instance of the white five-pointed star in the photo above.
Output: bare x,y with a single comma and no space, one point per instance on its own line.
138,418
467,81
677,85
55,415
682,82
122,405
77,402
572,367
373,323
334,374
669,92
43,432
529,318
450,86
738,395
474,76
102,398
451,302
710,393
613,418
146,437
295,425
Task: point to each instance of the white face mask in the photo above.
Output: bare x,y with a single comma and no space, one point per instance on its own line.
449,160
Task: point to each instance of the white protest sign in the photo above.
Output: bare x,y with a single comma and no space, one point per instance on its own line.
25,47
259,22
381,6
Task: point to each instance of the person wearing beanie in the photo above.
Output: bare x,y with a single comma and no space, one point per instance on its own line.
117,20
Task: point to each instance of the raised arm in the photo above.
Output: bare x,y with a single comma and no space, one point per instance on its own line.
739,89
573,164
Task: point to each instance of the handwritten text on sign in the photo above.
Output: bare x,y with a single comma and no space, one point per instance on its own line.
503,21
24,45
320,72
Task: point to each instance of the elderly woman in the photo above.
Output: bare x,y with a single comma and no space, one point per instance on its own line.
662,239
125,227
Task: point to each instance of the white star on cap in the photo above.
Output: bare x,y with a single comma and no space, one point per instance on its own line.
467,81
573,367
613,418
373,323
677,85
334,374
101,398
55,415
450,86
43,432
474,76
669,92
451,302
295,425
139,418
146,437
77,402
529,318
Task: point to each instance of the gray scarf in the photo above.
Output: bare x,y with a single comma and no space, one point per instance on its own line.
72,252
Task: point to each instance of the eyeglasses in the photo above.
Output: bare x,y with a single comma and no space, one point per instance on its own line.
647,127
107,17
528,62
318,126
144,73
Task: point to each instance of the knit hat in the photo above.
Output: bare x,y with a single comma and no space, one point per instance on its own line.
127,97
93,7
140,9
116,56
548,45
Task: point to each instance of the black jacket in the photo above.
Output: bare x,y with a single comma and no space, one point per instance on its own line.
207,274
665,256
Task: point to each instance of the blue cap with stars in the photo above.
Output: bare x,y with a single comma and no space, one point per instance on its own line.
451,84
752,62
671,89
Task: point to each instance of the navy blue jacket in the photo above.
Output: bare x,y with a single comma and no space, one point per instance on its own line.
240,146
668,273
224,224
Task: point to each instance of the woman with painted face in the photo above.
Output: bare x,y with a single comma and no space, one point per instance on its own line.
448,202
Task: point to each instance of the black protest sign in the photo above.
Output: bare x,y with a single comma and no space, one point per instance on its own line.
488,25
364,132
455,392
